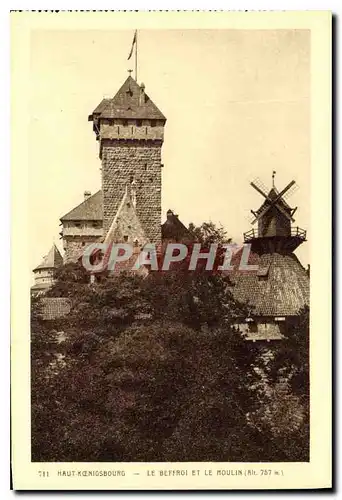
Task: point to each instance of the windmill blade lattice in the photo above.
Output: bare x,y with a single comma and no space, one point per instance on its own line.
258,182
293,189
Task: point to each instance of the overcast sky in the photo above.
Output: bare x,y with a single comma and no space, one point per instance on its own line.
237,105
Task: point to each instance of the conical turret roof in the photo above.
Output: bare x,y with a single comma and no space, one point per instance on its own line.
280,286
52,260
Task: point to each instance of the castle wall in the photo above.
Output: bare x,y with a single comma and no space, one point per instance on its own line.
74,246
122,162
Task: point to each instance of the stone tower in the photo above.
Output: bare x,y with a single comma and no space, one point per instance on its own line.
130,131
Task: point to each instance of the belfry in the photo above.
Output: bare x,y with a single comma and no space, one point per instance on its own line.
130,131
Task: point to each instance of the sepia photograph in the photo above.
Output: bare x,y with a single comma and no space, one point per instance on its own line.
169,236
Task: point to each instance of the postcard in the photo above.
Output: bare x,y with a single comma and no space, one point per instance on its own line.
171,250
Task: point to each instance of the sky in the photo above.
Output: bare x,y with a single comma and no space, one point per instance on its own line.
237,104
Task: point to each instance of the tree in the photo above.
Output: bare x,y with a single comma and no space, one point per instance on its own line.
160,391
284,409
208,233
154,370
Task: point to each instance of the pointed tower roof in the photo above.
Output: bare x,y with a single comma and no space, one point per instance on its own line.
130,101
89,209
52,260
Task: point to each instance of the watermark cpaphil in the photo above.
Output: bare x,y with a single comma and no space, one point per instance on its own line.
101,257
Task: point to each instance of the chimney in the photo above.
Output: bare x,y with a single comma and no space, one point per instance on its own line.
87,194
142,94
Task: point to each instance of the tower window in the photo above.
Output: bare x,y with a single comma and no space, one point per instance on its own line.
129,227
153,123
83,243
132,130
125,123
145,166
118,130
125,237
139,123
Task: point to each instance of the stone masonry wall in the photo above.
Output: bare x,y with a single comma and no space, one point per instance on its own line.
122,162
74,246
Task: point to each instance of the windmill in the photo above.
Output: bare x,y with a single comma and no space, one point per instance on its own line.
275,216
277,288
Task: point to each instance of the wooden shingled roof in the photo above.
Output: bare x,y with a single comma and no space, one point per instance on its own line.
89,209
130,101
280,286
55,307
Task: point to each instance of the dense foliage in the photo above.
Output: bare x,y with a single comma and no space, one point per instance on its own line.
153,369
